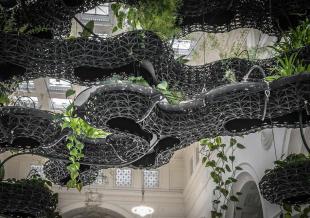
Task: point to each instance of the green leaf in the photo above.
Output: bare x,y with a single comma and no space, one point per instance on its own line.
224,207
233,141
233,198
163,85
87,32
70,92
232,158
115,28
238,168
227,168
240,146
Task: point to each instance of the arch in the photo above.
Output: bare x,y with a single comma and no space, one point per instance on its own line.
108,206
246,179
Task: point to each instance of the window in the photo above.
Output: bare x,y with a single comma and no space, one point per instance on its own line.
58,85
151,178
99,10
101,178
123,177
24,101
182,47
26,86
59,103
36,170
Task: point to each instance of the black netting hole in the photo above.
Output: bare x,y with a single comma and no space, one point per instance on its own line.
166,144
8,71
129,126
25,142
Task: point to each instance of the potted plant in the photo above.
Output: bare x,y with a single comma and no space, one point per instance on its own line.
287,184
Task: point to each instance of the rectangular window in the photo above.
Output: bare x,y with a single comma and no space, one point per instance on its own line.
31,102
151,178
26,86
182,47
101,178
59,103
123,177
58,85
99,10
36,170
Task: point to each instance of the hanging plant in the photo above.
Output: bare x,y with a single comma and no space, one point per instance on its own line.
287,184
158,16
28,198
223,171
288,65
78,129
294,38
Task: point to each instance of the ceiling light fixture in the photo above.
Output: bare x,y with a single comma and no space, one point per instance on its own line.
142,210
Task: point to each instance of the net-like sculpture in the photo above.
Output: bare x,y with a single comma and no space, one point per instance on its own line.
271,17
27,128
26,199
193,15
56,172
136,53
287,185
234,109
117,149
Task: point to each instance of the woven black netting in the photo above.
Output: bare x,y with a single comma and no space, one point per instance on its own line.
271,17
137,53
27,199
287,185
56,172
27,128
116,150
194,15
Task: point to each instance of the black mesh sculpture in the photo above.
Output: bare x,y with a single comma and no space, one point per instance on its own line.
287,185
26,199
271,17
194,15
27,128
56,172
137,53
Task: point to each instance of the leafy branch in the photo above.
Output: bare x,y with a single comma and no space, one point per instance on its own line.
223,171
158,16
78,129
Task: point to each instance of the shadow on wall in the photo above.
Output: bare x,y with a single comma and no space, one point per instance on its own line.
92,212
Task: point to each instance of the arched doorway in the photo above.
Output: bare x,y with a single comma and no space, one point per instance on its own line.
92,212
249,201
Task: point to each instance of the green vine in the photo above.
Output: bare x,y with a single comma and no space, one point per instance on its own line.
290,209
78,129
223,171
158,16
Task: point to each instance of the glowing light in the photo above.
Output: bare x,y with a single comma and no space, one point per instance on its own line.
142,210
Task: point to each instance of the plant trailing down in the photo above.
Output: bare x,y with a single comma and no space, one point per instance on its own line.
292,205
78,129
293,40
223,171
158,16
28,198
